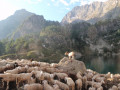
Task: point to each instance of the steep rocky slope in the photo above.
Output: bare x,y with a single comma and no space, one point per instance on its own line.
32,25
93,12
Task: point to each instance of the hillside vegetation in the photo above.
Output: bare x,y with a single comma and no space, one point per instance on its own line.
50,43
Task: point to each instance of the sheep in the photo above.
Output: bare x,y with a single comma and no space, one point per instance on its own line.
118,86
30,69
2,68
110,77
34,86
61,76
100,88
70,83
23,77
94,84
96,76
56,87
84,79
48,76
79,75
52,70
32,80
34,63
89,76
114,87
14,71
47,86
100,79
39,75
61,85
71,55
79,84
92,88
54,65
21,69
11,65
7,78
43,64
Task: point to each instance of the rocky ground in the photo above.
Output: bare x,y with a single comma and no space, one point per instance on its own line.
68,74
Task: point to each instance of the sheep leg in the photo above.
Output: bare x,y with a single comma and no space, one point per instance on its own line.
40,81
73,88
69,57
2,83
73,57
7,85
17,84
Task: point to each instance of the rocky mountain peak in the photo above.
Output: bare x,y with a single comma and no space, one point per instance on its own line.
93,12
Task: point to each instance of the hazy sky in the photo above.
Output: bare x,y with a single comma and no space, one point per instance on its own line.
50,9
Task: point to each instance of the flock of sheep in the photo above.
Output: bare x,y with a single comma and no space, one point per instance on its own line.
32,75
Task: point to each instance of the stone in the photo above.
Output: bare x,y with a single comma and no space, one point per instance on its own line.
72,66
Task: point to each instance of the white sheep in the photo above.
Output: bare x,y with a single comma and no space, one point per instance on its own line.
84,79
79,84
100,88
92,88
114,87
34,86
47,86
118,86
62,86
48,76
89,76
23,77
7,78
70,83
54,65
32,80
79,75
14,71
39,75
52,70
71,55
61,75
56,87
44,64
94,84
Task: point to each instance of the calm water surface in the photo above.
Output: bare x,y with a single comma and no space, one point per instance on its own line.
103,64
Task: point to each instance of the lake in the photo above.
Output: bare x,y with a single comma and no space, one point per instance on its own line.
103,64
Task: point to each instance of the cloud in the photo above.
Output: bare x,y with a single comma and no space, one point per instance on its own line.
33,1
52,0
64,2
68,9
74,1
80,2
48,4
83,2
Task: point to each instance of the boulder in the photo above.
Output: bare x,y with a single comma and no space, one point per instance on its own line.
72,66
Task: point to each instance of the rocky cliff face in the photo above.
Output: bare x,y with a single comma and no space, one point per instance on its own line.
93,12
32,25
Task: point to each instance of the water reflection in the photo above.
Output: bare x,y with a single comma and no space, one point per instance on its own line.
103,64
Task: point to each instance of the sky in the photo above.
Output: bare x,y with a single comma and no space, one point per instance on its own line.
53,10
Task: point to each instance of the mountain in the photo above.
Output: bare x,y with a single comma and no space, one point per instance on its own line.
93,12
10,24
32,25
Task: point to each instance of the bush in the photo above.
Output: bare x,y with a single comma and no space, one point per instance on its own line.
32,54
